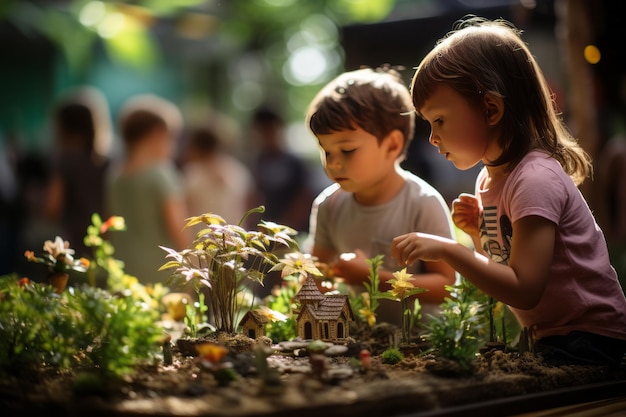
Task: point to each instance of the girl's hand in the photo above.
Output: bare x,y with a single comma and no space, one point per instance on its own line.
411,247
465,214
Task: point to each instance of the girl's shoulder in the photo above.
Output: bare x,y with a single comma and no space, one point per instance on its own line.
540,165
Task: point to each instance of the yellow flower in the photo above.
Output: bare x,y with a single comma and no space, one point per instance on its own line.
369,315
297,263
401,283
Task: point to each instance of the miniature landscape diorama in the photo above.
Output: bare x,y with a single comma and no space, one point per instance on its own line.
89,339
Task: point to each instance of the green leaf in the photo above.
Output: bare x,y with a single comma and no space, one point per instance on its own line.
134,47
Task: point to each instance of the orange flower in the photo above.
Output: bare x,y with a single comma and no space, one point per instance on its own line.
211,352
113,223
23,281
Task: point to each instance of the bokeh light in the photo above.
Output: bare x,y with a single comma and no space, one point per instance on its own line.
592,54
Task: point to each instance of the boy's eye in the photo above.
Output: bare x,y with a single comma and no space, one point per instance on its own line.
348,151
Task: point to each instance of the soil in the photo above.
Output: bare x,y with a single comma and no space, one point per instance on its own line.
295,382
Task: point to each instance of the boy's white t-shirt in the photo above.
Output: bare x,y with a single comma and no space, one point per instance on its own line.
583,292
341,224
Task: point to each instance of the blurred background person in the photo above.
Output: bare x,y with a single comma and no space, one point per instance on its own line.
281,177
147,188
215,180
80,162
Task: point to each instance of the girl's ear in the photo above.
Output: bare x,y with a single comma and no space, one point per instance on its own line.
494,108
395,143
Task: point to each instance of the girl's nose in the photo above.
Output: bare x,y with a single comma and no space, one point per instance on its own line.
433,139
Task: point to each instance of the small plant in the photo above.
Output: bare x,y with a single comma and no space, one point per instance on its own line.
270,377
83,328
103,251
104,264
58,256
282,301
279,327
222,256
113,333
195,318
402,289
370,301
458,331
391,356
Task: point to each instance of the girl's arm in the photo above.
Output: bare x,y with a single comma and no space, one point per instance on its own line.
519,284
354,270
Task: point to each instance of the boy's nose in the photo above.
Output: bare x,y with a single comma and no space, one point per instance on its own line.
332,162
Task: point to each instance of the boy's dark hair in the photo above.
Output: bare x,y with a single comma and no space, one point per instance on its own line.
204,139
376,101
75,122
142,114
265,115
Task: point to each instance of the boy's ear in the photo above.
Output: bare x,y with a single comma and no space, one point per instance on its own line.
494,108
395,142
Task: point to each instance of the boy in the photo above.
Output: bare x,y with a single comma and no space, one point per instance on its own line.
147,188
364,122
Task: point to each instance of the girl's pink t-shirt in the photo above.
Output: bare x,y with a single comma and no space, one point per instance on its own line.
583,292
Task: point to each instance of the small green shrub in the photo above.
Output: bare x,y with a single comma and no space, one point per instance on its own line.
83,328
457,332
391,356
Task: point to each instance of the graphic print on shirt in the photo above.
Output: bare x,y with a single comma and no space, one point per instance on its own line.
489,234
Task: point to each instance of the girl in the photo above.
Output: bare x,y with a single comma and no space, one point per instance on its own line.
539,249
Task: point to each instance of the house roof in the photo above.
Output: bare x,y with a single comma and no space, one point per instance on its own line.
330,308
309,291
255,315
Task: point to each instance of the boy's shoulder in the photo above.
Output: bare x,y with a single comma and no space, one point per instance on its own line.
415,189
330,193
418,185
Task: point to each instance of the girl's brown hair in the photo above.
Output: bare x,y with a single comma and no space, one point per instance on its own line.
378,101
480,56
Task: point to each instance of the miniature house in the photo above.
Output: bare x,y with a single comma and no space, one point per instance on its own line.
253,324
324,317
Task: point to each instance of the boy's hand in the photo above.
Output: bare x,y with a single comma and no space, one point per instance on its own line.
352,267
465,214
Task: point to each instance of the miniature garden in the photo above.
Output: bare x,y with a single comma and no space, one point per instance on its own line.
202,344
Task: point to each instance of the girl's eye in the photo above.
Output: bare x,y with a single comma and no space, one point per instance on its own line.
438,122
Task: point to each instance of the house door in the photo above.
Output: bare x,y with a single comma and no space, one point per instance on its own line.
308,331
340,331
251,334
